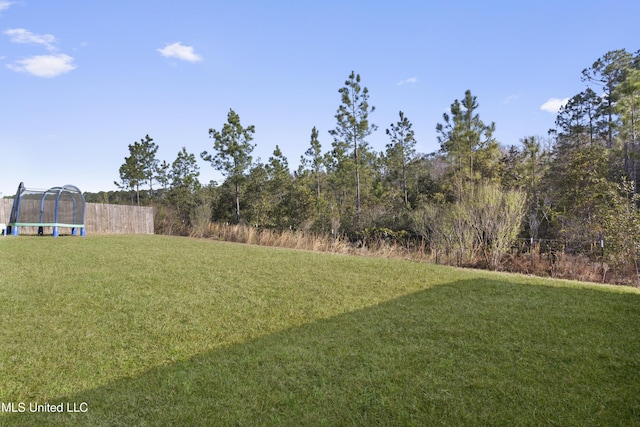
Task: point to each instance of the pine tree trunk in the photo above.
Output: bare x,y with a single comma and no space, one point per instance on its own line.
237,203
355,147
318,183
404,181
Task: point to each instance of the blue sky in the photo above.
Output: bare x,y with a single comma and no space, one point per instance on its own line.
81,80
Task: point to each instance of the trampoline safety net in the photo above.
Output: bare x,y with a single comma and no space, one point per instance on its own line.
56,207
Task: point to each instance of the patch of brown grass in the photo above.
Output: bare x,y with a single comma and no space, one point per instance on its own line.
239,233
556,264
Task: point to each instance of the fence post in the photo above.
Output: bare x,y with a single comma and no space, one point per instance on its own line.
533,255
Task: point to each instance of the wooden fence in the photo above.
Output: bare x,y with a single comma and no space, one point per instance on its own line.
100,219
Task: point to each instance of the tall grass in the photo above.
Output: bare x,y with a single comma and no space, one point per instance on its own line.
317,242
555,264
239,233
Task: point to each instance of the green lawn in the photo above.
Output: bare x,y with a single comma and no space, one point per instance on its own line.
157,330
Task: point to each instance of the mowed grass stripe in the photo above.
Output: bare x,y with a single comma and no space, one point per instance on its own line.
125,304
160,330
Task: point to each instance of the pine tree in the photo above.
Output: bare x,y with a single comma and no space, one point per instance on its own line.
185,186
353,127
233,152
468,143
401,151
628,107
315,159
607,72
140,166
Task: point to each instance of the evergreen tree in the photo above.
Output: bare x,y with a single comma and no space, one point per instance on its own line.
278,166
162,175
185,186
607,72
233,152
314,180
185,171
315,159
579,121
140,166
258,201
579,191
401,152
130,176
353,127
534,166
628,107
279,190
468,143
340,171
148,150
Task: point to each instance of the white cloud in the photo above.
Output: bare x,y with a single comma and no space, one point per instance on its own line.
510,98
44,65
409,81
4,5
553,105
180,51
51,65
20,35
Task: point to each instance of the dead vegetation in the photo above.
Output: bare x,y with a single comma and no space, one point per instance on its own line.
535,261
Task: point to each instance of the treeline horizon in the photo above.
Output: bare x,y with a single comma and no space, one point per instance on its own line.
472,199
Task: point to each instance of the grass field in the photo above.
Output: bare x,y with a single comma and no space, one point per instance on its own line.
158,330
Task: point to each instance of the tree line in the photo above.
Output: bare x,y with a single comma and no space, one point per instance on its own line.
473,199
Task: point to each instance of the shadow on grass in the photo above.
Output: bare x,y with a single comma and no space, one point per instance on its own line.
473,352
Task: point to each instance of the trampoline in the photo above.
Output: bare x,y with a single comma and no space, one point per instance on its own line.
57,207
